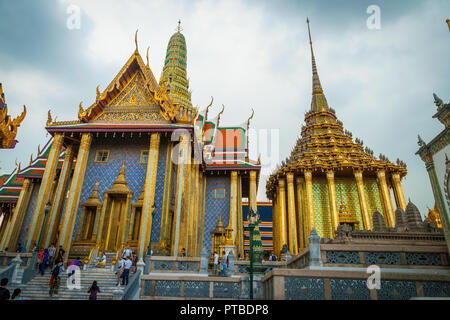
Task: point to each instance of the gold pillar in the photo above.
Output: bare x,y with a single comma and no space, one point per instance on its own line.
301,221
389,214
232,221
282,212
10,238
183,156
362,200
186,200
309,203
333,202
196,212
55,213
275,233
70,212
292,224
149,195
240,230
192,195
165,228
44,190
252,201
202,211
398,190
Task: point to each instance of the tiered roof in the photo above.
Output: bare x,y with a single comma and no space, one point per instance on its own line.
325,144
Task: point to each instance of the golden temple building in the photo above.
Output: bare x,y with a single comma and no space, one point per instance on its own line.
140,166
330,179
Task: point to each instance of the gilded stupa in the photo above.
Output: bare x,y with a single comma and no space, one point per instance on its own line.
174,75
324,163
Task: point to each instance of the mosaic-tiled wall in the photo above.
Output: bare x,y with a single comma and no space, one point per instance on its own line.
321,202
29,213
128,150
215,206
347,193
373,196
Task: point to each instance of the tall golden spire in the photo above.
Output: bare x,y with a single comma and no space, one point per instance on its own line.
319,102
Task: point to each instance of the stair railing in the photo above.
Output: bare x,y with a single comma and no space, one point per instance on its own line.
8,272
31,270
92,256
133,286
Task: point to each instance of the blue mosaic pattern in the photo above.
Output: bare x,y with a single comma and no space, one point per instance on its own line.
349,289
303,288
162,265
392,258
436,289
159,189
396,290
214,207
196,289
165,288
229,290
147,287
424,259
242,268
29,213
343,257
187,266
128,150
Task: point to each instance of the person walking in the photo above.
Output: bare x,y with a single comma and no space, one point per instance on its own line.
4,293
126,271
20,248
127,252
51,254
183,252
93,290
44,262
120,269
216,262
55,278
17,294
60,255
39,259
224,264
134,261
75,263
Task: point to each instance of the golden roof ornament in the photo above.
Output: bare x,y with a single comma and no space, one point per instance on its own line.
120,185
98,92
448,23
135,40
93,199
49,118
147,57
218,116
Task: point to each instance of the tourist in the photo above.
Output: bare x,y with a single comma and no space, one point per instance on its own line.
61,253
17,294
126,271
224,264
20,248
40,258
51,254
120,269
216,262
134,260
127,252
272,257
101,261
93,290
44,262
183,252
55,278
4,293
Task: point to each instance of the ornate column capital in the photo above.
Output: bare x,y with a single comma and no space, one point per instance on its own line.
290,177
308,175
281,183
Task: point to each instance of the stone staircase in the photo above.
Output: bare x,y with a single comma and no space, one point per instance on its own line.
38,288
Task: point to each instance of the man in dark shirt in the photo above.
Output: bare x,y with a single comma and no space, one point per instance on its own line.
4,293
60,256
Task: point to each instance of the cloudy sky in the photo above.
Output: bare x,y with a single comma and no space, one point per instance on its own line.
247,54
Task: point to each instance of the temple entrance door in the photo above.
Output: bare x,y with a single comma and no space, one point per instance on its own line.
116,213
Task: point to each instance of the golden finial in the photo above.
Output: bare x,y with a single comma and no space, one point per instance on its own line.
448,22
179,29
98,91
251,117
135,40
49,119
147,55
207,108
31,159
80,108
39,149
218,116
